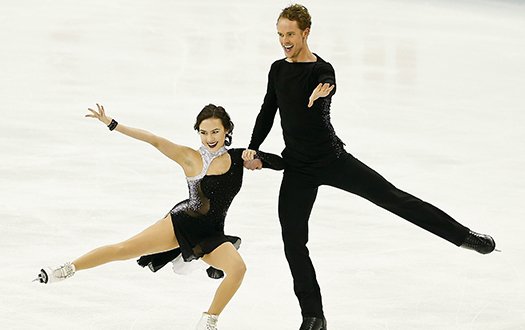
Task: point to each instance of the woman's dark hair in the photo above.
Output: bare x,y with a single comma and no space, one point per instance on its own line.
213,111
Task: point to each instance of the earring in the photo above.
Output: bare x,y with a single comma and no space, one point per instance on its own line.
228,139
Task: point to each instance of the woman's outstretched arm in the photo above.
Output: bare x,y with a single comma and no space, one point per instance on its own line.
178,153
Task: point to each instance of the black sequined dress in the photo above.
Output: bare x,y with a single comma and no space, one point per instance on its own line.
198,221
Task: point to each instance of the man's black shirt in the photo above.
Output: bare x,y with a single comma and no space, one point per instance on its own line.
308,134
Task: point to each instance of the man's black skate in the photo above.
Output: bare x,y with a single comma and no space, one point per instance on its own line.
481,243
313,323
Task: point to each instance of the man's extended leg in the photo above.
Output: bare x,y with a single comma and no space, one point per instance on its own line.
353,176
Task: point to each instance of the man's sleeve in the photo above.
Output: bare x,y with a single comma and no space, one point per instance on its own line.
266,116
326,74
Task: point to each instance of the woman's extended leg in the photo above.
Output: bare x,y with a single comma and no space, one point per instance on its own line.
158,237
226,258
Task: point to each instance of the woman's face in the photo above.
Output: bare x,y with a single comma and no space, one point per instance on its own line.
212,133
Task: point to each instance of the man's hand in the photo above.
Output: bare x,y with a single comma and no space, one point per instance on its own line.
322,90
250,162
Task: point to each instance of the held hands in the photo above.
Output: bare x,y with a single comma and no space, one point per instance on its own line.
100,114
250,162
322,90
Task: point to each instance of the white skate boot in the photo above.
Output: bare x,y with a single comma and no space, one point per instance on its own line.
51,275
208,322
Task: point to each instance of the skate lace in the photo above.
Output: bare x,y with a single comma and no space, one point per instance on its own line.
65,271
211,323
474,240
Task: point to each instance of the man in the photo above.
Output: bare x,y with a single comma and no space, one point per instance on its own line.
301,86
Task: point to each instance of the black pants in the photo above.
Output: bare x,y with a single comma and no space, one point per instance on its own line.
296,199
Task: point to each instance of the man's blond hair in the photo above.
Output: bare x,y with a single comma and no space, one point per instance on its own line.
297,13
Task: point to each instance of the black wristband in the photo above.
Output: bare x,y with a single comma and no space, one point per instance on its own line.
113,124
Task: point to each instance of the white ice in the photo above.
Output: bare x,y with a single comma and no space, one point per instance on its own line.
430,94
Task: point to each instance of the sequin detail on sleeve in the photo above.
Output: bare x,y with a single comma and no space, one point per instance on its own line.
335,141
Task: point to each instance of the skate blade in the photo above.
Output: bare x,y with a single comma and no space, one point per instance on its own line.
42,277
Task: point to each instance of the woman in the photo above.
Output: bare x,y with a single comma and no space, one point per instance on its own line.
194,228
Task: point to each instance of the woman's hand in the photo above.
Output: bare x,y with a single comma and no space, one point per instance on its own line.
254,164
250,162
100,114
322,90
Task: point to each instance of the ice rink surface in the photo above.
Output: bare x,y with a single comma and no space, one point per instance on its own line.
430,94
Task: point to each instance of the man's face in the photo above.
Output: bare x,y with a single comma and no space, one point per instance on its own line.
292,38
